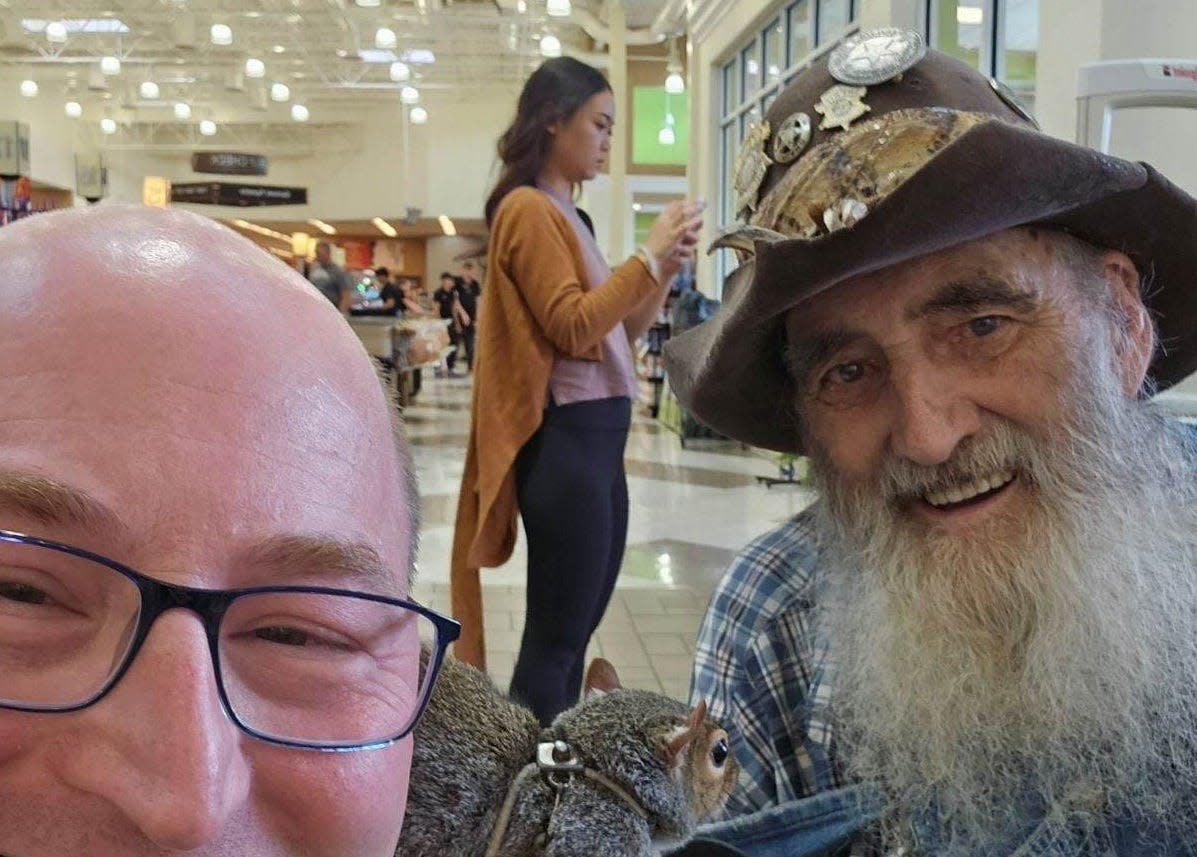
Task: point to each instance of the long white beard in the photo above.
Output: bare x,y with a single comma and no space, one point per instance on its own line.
1050,656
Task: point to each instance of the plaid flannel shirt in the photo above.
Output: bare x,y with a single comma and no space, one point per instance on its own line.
761,673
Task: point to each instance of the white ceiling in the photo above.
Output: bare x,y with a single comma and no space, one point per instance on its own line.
310,45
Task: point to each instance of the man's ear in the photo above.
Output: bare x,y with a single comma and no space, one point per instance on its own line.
1134,341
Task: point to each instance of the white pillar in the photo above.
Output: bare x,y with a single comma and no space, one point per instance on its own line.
618,165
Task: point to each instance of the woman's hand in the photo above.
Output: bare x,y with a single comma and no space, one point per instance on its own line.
674,235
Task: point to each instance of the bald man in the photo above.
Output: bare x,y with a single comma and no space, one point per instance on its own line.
183,423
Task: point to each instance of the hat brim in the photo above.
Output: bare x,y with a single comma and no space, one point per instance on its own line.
730,370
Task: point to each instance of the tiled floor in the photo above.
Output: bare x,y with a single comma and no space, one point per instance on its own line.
691,510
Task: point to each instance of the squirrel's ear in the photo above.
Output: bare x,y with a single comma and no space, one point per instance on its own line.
677,742
601,678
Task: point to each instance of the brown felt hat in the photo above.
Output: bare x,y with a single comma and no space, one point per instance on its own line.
942,156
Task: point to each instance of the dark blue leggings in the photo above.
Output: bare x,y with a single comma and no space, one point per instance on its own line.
573,499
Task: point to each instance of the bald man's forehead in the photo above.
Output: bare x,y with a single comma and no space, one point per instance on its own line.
198,372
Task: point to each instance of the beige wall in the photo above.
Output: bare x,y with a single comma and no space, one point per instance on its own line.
449,172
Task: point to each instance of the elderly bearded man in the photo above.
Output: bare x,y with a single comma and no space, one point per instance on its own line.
989,620
206,531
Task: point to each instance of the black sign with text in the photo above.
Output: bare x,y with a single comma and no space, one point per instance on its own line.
229,163
229,193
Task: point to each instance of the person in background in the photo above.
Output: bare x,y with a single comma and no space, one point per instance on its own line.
330,278
468,292
388,293
157,460
554,383
448,303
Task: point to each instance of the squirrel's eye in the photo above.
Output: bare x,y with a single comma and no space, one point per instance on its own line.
719,753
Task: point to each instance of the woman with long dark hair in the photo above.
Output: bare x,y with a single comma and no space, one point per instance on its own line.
554,383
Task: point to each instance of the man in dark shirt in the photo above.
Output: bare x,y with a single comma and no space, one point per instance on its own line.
388,293
448,303
468,292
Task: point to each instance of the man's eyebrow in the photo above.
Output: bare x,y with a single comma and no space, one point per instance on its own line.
320,556
809,351
980,293
50,502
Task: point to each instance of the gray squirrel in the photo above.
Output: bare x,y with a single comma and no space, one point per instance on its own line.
653,768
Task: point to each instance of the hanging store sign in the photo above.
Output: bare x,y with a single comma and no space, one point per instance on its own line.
14,149
229,163
155,191
229,193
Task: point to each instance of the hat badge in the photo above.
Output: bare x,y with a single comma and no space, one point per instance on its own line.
875,56
751,165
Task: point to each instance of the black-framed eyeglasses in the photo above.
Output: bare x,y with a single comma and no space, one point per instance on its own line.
302,666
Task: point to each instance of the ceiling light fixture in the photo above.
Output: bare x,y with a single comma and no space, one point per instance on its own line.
521,7
222,35
182,110
550,46
149,91
558,8
447,225
262,230
323,227
108,125
110,66
385,39
255,68
56,33
300,113
409,95
280,92
675,84
74,109
369,4
29,88
419,115
207,127
384,227
400,72
279,49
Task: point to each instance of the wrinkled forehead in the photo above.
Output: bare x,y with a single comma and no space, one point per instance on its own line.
1023,260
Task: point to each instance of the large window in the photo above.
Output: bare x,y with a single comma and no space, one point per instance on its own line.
998,37
756,72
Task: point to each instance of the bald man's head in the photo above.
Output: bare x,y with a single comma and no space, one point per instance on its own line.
220,414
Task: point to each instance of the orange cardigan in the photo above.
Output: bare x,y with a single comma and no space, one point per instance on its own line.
536,303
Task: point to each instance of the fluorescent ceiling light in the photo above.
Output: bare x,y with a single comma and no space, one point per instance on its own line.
369,4
280,92
279,49
385,39
255,68
29,88
409,95
323,227
419,115
400,72
558,8
550,46
374,55
262,230
74,109
674,84
182,110
419,56
969,15
77,26
149,91
107,125
384,227
207,127
447,225
110,66
221,35
300,113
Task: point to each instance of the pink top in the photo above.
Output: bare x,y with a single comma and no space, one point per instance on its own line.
574,380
